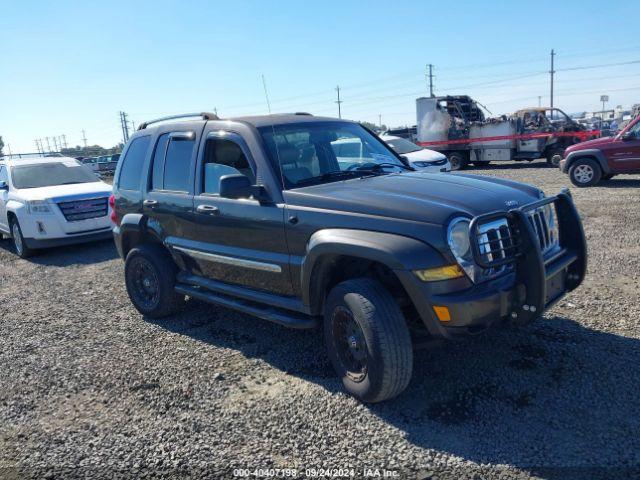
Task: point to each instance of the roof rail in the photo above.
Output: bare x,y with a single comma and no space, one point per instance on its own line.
304,113
204,115
30,154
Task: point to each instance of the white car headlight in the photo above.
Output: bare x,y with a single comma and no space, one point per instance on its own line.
38,207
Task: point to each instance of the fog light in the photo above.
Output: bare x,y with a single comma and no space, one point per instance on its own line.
440,273
442,313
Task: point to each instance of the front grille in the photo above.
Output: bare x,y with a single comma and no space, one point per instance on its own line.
543,220
497,245
77,210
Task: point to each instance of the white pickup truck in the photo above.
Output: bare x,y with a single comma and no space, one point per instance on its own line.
51,201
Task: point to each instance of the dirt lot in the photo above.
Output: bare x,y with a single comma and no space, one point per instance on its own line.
88,387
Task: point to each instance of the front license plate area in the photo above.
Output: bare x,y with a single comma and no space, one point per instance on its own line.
555,287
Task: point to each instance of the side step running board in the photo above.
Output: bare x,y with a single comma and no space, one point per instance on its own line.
285,318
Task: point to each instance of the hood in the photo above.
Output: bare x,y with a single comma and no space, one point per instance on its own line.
596,142
422,197
425,155
62,191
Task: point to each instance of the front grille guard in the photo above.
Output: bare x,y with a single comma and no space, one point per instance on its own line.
521,248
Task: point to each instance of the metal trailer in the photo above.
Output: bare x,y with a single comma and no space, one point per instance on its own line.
458,127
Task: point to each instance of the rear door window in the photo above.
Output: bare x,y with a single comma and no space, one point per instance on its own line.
177,162
132,163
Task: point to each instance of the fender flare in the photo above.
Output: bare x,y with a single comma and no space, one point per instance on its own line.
595,153
397,252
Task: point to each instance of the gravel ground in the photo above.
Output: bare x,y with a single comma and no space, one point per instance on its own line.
90,388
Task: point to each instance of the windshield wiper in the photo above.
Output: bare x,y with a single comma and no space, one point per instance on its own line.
379,166
335,174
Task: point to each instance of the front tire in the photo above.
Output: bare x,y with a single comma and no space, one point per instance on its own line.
19,245
585,172
367,340
150,278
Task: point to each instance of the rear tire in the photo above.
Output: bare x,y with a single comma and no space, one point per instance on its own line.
457,161
554,156
19,244
367,340
150,278
585,172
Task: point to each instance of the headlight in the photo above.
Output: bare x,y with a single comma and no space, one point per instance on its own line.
458,239
38,207
459,243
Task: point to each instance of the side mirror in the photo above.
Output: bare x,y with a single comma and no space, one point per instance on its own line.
4,186
628,136
239,186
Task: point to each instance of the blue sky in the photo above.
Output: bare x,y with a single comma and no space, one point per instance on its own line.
69,65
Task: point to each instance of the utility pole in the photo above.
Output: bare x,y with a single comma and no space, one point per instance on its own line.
431,80
380,120
339,102
48,144
133,126
539,100
64,141
125,127
9,148
55,144
84,139
552,71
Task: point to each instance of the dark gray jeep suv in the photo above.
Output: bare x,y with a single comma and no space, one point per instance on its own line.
304,221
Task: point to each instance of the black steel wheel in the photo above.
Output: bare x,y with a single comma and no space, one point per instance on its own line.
150,277
349,343
367,340
145,288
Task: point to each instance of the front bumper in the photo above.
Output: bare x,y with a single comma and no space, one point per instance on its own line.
563,166
532,285
70,239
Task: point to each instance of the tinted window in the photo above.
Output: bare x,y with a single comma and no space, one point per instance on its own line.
132,163
50,174
177,164
3,174
223,157
158,162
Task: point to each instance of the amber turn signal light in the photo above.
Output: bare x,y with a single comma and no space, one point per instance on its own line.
440,273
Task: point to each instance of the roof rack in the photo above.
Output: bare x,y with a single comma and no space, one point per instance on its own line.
304,113
204,115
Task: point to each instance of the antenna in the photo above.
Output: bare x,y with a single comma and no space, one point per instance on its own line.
266,94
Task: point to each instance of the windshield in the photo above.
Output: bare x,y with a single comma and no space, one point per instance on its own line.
402,145
49,174
320,152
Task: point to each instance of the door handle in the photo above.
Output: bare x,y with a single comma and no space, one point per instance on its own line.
150,203
208,209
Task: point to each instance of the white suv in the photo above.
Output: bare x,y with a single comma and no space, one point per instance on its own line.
47,202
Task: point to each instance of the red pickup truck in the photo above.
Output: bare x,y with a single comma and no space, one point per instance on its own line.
589,162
